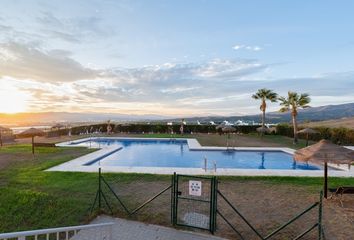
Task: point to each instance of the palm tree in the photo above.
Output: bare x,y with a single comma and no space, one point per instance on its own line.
264,95
292,103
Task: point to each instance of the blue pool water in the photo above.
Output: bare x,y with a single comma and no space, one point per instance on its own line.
153,153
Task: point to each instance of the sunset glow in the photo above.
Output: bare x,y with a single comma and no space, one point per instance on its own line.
142,57
12,100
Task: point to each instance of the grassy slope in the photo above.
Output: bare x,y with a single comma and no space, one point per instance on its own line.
31,198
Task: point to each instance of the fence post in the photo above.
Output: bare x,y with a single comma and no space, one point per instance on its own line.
99,189
173,199
173,195
213,205
215,202
320,216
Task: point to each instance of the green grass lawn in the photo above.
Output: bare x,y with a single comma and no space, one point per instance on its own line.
31,198
286,141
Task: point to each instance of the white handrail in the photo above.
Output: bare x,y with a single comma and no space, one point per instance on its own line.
75,230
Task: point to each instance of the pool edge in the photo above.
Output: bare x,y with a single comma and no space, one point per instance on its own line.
78,164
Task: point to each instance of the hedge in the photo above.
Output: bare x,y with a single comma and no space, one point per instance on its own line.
344,136
145,128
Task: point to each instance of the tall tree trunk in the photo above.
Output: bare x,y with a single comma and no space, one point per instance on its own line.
263,121
295,128
263,109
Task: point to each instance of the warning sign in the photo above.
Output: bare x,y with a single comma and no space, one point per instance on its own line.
195,188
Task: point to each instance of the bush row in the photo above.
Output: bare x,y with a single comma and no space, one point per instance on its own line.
336,135
344,136
146,128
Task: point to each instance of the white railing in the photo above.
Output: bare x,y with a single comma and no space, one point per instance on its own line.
102,231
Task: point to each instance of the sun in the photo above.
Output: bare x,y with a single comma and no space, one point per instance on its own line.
12,100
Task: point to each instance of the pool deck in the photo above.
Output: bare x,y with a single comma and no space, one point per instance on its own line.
78,164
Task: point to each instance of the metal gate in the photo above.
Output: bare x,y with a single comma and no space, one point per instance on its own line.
194,202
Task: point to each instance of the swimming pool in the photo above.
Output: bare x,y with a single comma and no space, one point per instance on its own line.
174,153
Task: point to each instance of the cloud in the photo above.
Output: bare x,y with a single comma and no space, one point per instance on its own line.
25,61
72,30
246,47
75,30
186,96
329,84
31,61
217,69
178,90
54,78
5,28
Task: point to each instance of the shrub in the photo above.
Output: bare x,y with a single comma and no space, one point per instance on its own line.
344,136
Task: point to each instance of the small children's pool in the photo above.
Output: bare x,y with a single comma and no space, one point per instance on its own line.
176,154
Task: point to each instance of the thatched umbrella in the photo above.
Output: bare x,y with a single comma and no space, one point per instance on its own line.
32,132
262,129
181,129
220,126
2,129
325,152
58,126
109,127
307,131
228,129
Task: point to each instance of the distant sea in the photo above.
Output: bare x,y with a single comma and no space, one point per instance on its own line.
23,128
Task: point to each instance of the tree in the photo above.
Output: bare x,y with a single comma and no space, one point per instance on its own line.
292,103
264,95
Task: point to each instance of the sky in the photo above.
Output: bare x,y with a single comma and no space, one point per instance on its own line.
172,58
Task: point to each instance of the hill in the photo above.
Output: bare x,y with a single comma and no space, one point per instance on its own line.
344,122
322,113
52,117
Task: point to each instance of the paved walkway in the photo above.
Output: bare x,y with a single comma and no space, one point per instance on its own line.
131,230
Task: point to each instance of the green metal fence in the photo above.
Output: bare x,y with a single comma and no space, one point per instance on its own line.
317,225
100,196
193,202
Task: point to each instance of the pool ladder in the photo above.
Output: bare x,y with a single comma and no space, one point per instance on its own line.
206,165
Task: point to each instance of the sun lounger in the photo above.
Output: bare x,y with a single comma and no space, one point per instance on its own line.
338,192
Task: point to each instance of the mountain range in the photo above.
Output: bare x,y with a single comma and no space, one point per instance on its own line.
321,113
328,112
